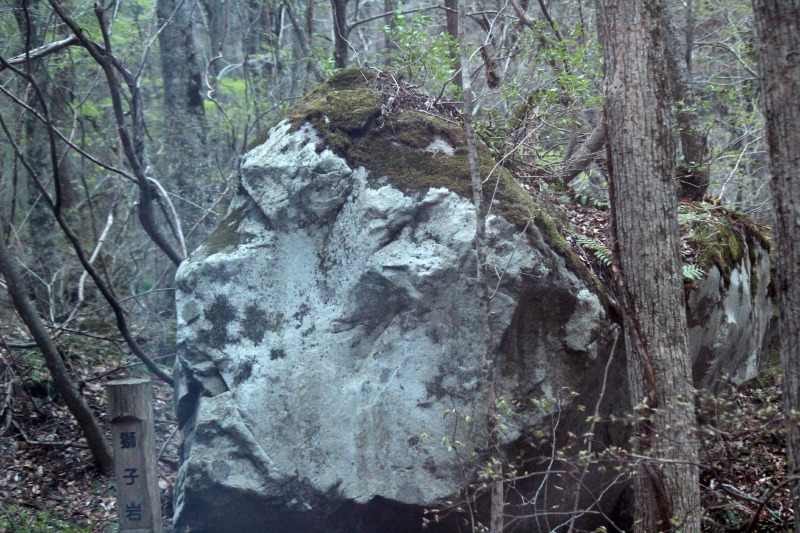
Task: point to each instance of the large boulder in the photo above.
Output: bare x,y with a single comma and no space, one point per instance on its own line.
332,319
729,310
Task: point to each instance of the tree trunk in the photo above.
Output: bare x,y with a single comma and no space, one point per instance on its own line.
451,15
180,67
693,175
642,191
340,44
496,494
39,229
303,36
184,162
101,452
582,158
388,45
778,43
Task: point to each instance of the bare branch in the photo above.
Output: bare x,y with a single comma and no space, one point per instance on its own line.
585,154
389,14
42,51
122,324
132,145
63,137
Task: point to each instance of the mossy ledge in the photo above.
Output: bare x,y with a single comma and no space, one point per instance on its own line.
722,238
404,147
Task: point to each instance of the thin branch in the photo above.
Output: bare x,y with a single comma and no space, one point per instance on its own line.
132,146
171,215
389,14
767,497
84,274
580,160
77,405
122,323
42,51
553,25
302,39
54,443
63,137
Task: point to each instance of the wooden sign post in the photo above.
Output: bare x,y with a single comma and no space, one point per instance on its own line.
130,411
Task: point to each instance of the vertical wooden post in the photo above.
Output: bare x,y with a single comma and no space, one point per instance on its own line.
130,411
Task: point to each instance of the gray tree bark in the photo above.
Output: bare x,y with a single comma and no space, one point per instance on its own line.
778,44
693,177
180,67
39,229
496,494
642,165
388,44
184,158
303,36
581,158
451,17
340,44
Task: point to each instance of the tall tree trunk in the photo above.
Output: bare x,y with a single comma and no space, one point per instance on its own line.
693,175
778,43
451,14
217,14
185,125
340,44
40,231
303,35
101,452
388,45
496,494
642,165
180,68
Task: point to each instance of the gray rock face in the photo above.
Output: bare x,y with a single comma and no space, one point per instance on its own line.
728,321
332,319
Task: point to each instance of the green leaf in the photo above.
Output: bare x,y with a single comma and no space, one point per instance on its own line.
692,273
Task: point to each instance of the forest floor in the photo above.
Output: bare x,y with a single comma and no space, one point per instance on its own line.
48,482
47,478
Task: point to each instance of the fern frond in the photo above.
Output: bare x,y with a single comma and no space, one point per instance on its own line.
692,273
600,250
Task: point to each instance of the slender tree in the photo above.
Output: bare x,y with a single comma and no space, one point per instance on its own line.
340,33
451,17
778,30
489,368
17,290
693,177
37,223
648,269
185,131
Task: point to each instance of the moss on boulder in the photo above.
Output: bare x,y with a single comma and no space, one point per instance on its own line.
415,149
722,238
228,233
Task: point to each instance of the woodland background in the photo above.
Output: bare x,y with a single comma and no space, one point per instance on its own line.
122,127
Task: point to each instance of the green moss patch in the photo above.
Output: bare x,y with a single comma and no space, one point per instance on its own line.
228,234
721,237
371,122
348,110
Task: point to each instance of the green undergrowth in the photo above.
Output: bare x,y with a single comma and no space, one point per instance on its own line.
719,237
18,519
